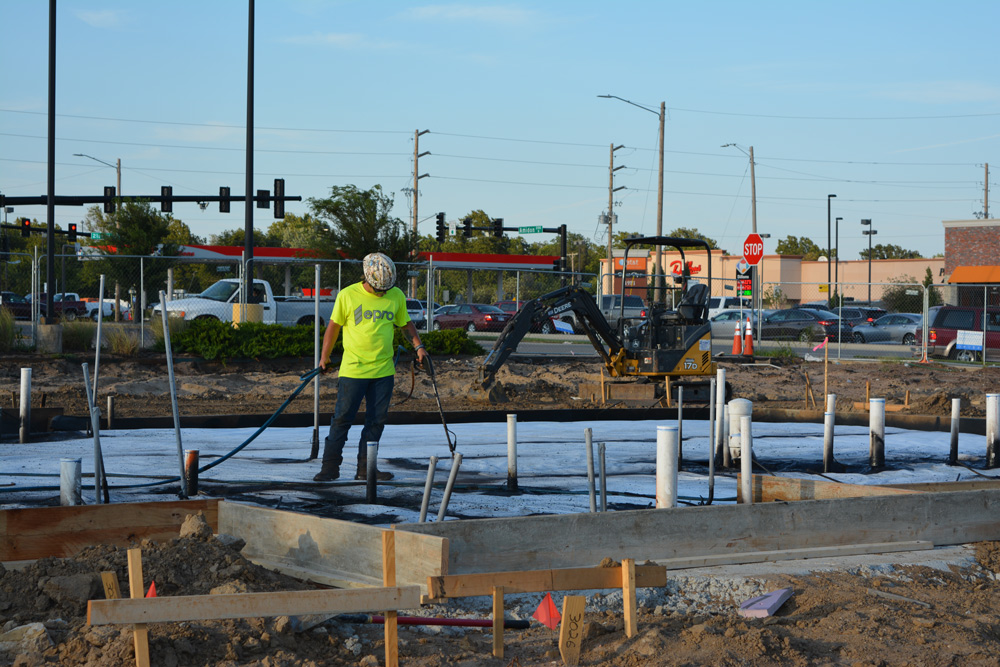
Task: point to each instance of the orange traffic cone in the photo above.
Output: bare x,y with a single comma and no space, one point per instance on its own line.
748,342
737,342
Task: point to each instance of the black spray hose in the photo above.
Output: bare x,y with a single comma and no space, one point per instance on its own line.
448,433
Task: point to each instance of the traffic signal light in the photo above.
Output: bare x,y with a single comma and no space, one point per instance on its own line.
279,198
262,198
72,232
109,199
26,227
442,230
557,264
467,227
223,200
4,247
167,193
498,227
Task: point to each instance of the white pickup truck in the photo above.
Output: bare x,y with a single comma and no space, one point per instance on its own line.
216,303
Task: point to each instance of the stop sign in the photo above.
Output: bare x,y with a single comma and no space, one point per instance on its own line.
753,249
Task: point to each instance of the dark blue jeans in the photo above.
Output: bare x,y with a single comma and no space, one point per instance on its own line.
376,392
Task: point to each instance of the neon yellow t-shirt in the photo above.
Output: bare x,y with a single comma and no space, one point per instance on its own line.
367,323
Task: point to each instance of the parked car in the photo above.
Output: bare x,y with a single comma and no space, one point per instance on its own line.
724,323
68,306
804,324
472,317
19,307
859,314
216,303
546,327
415,309
948,321
717,304
902,328
611,308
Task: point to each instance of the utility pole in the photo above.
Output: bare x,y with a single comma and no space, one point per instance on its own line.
753,194
659,294
986,194
611,211
416,193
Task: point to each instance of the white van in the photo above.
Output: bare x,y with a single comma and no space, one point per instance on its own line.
717,304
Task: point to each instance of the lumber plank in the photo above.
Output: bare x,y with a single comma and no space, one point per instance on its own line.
140,634
628,595
498,621
329,550
539,581
794,554
571,628
388,580
180,608
767,488
60,532
112,590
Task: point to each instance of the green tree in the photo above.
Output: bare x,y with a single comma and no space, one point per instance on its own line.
933,294
361,221
793,245
890,251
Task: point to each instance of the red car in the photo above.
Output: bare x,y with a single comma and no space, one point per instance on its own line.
546,327
472,317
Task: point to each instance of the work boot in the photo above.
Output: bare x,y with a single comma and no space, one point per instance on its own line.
328,473
380,475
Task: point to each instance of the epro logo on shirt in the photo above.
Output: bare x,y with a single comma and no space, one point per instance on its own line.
360,314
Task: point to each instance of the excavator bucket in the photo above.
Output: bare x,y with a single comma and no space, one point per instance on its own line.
494,395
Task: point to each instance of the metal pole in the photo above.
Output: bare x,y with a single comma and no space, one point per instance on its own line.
711,440
827,440
95,426
829,253
314,452
680,425
191,470
371,474
876,432
456,463
165,302
70,485
604,476
746,461
25,432
248,197
720,401
428,485
658,294
512,452
50,202
588,437
141,304
992,430
100,321
956,411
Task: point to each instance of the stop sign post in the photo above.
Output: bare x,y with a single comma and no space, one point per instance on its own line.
753,249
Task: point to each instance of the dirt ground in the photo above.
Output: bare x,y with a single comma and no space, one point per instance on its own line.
935,617
140,385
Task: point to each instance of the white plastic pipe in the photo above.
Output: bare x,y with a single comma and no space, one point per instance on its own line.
25,433
95,426
588,437
746,460
956,412
738,408
876,432
456,463
711,440
666,466
680,425
828,420
428,485
727,458
512,452
720,401
70,486
604,476
831,403
992,430
172,383
97,345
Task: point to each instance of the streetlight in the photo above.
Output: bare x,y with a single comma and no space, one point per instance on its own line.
828,248
117,168
869,233
657,292
836,252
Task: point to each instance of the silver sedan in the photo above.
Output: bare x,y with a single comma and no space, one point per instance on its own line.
724,323
902,328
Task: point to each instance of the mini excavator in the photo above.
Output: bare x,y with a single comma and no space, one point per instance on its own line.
669,347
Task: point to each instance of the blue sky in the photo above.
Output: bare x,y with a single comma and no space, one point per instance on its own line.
892,106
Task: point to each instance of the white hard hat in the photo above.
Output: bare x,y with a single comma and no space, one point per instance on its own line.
380,272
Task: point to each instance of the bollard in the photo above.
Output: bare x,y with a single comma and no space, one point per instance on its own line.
876,432
456,462
371,476
70,486
588,437
720,401
680,426
666,466
25,432
746,460
711,448
827,440
831,403
427,488
992,430
604,482
191,471
738,408
956,408
512,452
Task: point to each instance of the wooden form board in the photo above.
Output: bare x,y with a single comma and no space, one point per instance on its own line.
794,554
767,489
60,532
329,551
574,540
539,581
179,608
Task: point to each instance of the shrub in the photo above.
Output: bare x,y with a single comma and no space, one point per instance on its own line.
78,336
9,333
176,325
122,341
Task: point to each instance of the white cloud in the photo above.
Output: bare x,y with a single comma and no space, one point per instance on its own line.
508,14
105,18
940,92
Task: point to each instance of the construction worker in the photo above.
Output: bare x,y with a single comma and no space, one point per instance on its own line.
367,312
